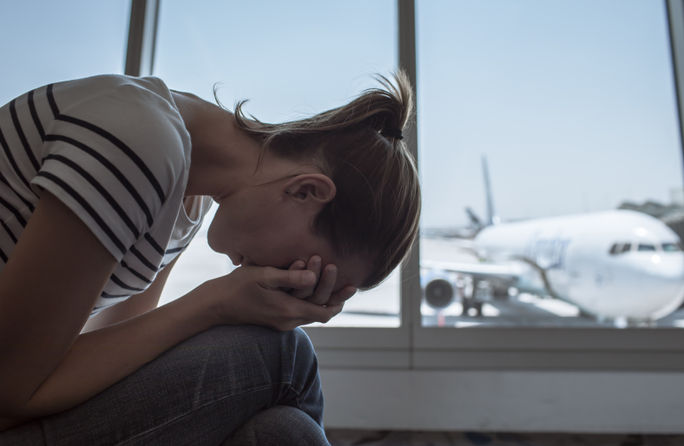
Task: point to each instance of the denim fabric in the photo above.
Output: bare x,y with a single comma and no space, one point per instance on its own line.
197,393
279,426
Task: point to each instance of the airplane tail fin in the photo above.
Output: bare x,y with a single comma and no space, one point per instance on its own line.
492,218
475,221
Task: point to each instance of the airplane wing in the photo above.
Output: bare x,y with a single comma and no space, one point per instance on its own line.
521,274
509,271
439,283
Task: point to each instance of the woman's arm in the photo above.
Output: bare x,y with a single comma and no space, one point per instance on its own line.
134,305
47,290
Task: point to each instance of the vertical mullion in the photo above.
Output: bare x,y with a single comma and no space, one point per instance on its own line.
675,19
142,36
410,272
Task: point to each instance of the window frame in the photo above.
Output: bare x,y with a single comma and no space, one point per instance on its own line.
560,348
413,346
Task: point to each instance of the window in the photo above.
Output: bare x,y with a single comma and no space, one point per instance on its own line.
506,116
497,78
441,362
671,247
625,247
45,42
620,248
290,59
523,107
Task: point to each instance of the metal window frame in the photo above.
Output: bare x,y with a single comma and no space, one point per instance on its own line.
559,348
142,37
675,20
412,346
383,347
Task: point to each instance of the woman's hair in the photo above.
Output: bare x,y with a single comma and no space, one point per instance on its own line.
376,209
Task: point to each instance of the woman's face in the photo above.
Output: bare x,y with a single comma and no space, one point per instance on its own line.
262,225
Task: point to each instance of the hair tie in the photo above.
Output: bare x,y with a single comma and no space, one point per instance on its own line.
392,133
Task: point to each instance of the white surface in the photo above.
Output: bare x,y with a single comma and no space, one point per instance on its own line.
591,402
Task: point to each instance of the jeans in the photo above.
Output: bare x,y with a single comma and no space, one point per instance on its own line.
230,385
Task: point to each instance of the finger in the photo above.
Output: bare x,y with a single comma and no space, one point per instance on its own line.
341,296
297,265
275,278
325,286
307,312
314,265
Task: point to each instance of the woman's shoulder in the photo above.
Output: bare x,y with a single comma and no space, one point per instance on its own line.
105,82
112,91
137,111
122,149
127,122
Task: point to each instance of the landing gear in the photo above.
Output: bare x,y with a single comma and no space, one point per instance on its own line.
474,296
472,304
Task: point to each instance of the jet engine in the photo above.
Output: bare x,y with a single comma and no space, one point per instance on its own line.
439,293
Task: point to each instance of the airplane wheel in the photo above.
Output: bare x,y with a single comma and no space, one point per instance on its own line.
478,309
500,293
467,305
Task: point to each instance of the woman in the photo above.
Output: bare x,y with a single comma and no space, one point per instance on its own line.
106,179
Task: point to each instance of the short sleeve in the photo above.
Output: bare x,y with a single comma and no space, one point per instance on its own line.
114,153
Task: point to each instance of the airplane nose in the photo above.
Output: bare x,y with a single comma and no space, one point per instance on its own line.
667,267
652,288
667,275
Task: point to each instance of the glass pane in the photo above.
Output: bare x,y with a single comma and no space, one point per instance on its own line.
551,164
290,59
45,42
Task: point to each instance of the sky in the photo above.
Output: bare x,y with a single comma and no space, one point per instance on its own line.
571,101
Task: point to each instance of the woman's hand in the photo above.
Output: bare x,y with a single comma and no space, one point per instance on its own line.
255,295
321,292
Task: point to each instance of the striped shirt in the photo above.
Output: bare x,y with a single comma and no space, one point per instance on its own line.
115,150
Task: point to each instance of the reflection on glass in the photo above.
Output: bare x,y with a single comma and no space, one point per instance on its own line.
46,42
551,165
672,247
290,59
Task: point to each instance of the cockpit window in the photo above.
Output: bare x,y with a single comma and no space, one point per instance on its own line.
619,248
646,247
672,247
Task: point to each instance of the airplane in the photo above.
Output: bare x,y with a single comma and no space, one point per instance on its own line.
616,265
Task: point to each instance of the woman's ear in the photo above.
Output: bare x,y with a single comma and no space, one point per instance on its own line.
315,188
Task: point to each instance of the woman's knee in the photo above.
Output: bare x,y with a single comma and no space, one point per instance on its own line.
279,425
233,357
293,349
251,340
304,386
288,359
302,348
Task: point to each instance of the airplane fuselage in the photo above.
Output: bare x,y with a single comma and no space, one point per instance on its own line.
613,264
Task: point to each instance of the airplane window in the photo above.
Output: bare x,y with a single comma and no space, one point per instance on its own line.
619,248
671,247
515,98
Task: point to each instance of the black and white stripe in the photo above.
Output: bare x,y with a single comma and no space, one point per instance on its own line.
52,138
